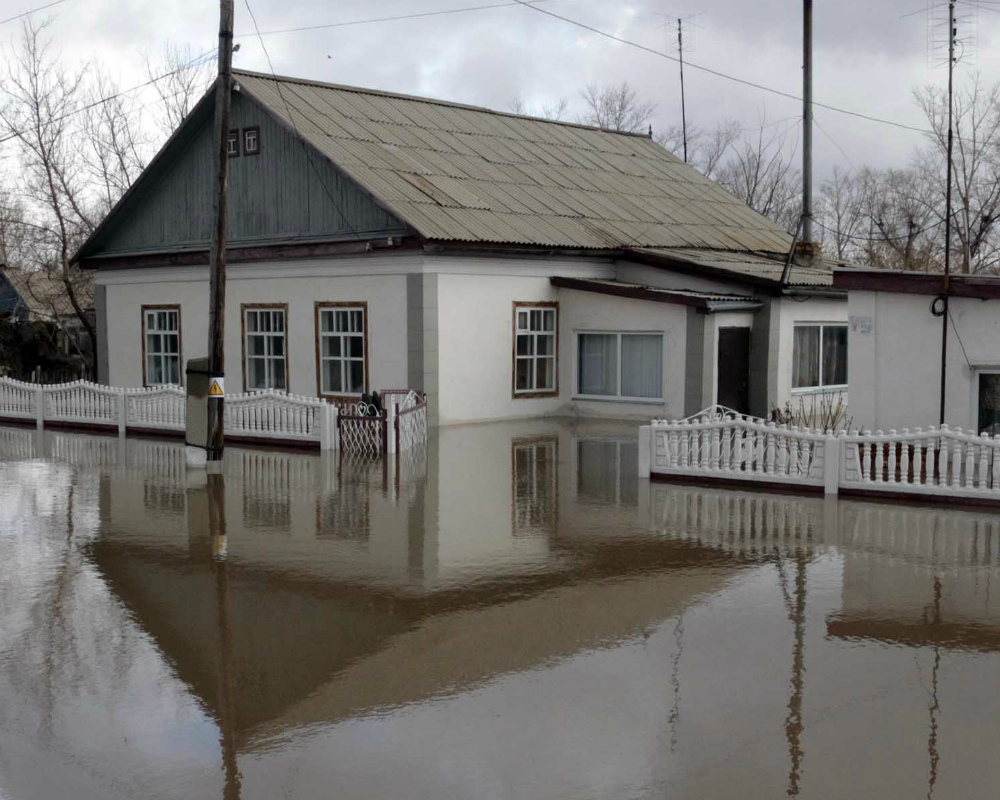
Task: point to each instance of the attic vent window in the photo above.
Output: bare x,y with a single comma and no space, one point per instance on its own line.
251,141
233,144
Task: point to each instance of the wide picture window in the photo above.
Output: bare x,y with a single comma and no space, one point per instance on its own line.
620,365
819,360
162,337
534,350
343,369
266,355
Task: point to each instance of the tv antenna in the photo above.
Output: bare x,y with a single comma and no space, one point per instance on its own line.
680,33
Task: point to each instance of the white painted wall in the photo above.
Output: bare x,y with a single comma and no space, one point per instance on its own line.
792,310
380,282
895,359
587,311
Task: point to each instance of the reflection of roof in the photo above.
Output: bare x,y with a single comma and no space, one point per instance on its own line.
460,173
752,267
917,632
44,295
711,301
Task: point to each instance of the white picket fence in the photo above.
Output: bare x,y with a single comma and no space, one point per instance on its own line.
939,462
267,415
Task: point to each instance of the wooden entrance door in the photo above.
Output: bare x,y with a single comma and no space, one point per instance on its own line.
734,369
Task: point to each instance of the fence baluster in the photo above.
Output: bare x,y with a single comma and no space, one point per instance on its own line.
891,476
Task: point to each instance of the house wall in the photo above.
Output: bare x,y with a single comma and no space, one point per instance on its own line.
895,359
378,281
785,313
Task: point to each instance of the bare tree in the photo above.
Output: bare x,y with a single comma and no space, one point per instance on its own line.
550,111
117,140
616,108
902,215
975,168
841,210
182,77
706,148
39,99
760,171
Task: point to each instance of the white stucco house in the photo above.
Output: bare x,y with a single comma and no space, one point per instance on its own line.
507,266
895,341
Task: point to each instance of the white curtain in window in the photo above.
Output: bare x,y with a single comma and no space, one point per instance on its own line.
642,365
598,363
805,358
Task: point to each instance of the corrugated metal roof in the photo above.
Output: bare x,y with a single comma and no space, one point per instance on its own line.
747,265
460,173
709,301
45,295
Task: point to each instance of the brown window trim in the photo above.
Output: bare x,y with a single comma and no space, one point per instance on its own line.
243,143
180,339
319,305
244,307
234,132
554,392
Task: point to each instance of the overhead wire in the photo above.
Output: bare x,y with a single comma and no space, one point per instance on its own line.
416,15
32,11
720,74
291,118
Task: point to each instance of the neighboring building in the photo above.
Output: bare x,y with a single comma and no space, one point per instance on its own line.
895,342
33,295
508,266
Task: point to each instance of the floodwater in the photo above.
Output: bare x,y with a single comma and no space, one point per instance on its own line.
507,613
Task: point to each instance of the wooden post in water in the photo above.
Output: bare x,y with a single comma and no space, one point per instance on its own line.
217,255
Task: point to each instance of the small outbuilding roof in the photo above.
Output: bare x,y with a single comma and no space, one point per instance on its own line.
753,267
705,301
458,173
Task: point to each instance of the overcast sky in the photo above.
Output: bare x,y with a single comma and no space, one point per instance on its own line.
868,55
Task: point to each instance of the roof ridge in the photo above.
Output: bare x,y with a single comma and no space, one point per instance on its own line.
432,100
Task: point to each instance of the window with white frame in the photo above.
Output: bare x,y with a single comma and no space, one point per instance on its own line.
535,349
266,364
819,357
251,141
342,361
162,341
621,365
233,144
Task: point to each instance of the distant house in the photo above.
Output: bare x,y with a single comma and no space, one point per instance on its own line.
508,266
896,321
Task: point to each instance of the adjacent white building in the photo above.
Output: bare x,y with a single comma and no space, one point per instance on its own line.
507,266
895,340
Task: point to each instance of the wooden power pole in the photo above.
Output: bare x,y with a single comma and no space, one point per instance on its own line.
217,255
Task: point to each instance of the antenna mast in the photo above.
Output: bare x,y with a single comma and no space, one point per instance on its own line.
947,210
680,50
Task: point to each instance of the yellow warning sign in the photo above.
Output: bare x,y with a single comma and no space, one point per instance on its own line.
218,388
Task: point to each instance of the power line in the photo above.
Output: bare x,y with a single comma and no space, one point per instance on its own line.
291,119
881,239
103,100
29,13
420,15
718,74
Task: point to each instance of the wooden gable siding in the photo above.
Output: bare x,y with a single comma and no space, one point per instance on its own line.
275,196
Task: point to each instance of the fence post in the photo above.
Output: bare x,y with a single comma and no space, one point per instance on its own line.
392,427
40,406
832,455
335,426
122,402
325,434
645,450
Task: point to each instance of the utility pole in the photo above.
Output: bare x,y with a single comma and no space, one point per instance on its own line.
684,125
807,121
947,208
217,255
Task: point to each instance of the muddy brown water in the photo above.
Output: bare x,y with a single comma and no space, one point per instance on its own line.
506,613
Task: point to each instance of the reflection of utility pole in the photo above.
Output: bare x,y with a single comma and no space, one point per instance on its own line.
935,706
797,614
220,207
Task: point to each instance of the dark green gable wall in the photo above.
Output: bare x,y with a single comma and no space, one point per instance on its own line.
276,196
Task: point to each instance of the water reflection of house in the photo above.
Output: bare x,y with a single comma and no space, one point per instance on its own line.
333,577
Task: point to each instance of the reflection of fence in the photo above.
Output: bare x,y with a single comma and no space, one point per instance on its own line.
939,462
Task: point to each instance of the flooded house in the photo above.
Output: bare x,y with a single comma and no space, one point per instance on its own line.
895,339
505,265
